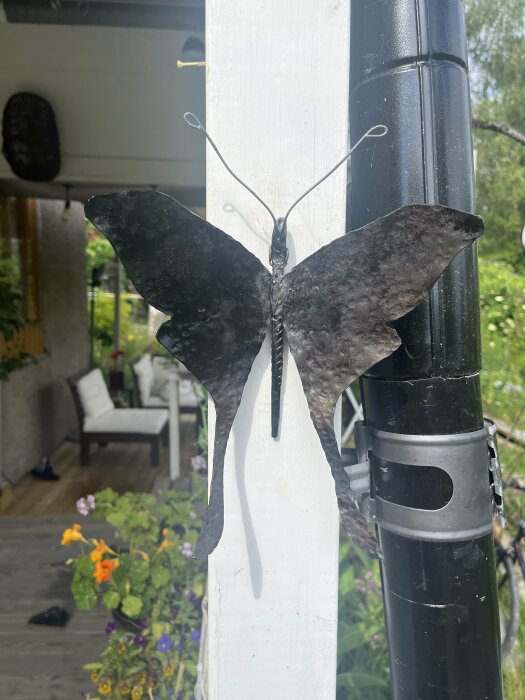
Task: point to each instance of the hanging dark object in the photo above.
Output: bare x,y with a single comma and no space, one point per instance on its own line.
30,137
333,307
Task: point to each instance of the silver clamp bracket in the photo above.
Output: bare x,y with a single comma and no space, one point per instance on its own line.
469,459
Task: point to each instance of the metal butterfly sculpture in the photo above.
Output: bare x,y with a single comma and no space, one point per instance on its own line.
333,307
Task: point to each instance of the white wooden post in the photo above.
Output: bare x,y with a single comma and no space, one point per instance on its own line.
277,106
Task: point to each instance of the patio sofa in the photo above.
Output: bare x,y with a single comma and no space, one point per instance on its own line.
151,375
101,422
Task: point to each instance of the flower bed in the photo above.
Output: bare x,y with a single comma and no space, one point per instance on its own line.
150,580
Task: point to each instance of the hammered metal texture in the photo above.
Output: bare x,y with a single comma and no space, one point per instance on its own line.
336,304
217,294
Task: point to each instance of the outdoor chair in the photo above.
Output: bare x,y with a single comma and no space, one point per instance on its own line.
151,376
101,422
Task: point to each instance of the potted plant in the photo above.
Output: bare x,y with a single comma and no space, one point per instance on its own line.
149,581
116,375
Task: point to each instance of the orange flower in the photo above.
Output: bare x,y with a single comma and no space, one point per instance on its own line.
99,551
165,544
104,569
73,534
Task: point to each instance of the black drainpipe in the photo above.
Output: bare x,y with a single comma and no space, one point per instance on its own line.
409,71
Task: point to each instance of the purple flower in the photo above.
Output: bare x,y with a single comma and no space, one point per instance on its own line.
111,627
182,643
85,505
199,463
82,506
196,635
144,623
175,610
165,643
187,550
191,597
139,640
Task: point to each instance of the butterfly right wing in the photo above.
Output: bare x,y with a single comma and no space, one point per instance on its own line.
216,292
337,305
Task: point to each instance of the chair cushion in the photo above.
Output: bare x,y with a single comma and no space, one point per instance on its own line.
93,394
156,401
128,420
143,370
189,394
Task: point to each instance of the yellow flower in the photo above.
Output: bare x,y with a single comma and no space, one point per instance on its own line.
99,551
137,692
121,648
144,555
105,686
94,676
124,688
169,670
73,534
141,678
165,544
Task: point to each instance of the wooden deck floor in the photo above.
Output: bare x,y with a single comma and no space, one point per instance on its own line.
45,663
121,466
38,662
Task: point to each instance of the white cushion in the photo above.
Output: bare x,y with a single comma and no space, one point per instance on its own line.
189,390
144,372
93,394
163,368
189,394
128,420
156,401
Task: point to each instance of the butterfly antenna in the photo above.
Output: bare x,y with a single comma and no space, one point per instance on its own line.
193,121
375,132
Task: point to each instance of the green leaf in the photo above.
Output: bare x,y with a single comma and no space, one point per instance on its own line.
161,577
131,605
352,638
360,680
111,600
83,586
116,518
139,572
95,666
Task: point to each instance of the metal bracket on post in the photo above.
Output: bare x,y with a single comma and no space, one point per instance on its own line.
469,459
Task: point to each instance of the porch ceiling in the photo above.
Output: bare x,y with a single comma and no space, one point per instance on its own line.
117,95
187,15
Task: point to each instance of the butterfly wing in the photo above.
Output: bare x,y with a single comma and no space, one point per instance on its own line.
337,303
216,292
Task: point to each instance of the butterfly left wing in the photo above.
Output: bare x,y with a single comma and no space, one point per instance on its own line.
337,303
217,294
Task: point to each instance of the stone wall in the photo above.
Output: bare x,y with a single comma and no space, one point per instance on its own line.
37,410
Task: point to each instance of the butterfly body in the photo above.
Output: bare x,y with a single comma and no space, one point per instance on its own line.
278,261
333,308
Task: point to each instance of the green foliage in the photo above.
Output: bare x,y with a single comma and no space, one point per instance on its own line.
496,32
150,576
362,663
502,298
98,251
11,314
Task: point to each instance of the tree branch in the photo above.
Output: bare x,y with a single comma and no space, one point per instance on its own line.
500,128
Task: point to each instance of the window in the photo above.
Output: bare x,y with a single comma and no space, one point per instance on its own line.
19,261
